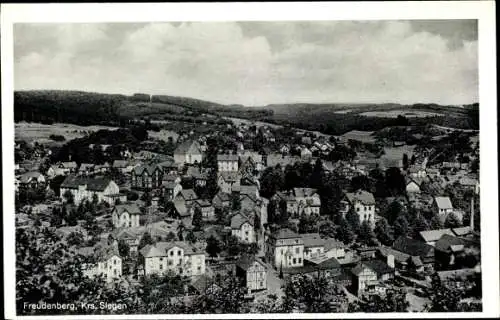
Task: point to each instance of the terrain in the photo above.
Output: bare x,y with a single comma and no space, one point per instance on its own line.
86,108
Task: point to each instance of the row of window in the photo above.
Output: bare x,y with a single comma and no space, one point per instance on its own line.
366,208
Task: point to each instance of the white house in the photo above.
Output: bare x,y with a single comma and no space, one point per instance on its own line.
227,162
314,245
253,272
307,201
32,179
362,202
108,262
126,215
178,257
442,206
188,152
285,249
242,228
85,188
227,181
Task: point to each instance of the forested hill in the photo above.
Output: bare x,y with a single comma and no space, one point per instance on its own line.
86,108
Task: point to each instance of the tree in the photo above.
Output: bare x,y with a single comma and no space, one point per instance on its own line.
197,219
400,227
190,237
366,235
405,162
75,239
317,175
213,247
452,221
419,224
68,196
413,159
353,220
272,180
170,236
180,231
146,239
308,294
395,181
394,211
394,301
360,182
308,223
235,202
345,232
383,232
123,248
436,222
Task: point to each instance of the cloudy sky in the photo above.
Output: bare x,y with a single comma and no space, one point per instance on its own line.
256,63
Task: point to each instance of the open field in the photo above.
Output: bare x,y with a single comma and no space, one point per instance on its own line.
396,113
37,132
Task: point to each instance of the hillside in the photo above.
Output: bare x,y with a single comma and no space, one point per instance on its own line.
86,108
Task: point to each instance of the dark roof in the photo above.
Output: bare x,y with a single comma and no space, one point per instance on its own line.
192,147
379,266
95,184
247,261
285,233
362,196
238,220
329,264
446,243
131,208
412,247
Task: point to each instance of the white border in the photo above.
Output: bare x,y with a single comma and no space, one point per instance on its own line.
482,10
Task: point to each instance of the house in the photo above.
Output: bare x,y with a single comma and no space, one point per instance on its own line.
272,160
307,201
169,166
102,168
314,246
417,171
126,215
206,208
178,257
242,227
171,189
55,170
413,185
469,184
285,149
330,267
221,200
187,195
419,251
253,273
401,259
86,169
431,236
305,154
253,158
146,177
227,162
369,275
108,262
362,202
285,249
334,249
251,190
442,207
447,248
227,181
200,178
32,179
68,167
85,188
188,152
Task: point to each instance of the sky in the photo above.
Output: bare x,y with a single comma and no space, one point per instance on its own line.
256,63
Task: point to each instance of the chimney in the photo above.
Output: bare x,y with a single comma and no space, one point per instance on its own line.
390,261
472,214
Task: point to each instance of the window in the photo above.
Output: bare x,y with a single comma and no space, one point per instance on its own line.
171,253
169,262
114,262
114,272
365,208
357,209
161,259
161,267
179,252
105,264
281,251
297,250
246,233
294,261
199,268
300,260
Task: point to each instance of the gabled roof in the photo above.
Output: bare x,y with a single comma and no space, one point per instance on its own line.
149,169
362,196
181,208
229,176
377,266
399,256
94,184
160,249
26,177
246,262
412,247
188,147
312,240
462,231
448,243
188,194
286,233
120,163
222,196
85,166
227,157
434,235
331,243
253,189
443,202
466,181
69,165
131,208
100,252
304,192
238,220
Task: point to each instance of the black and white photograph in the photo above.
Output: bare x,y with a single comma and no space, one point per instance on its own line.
215,160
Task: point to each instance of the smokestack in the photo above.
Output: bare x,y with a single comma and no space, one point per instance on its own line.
472,214
390,261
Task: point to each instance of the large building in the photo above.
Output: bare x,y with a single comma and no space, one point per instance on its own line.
126,215
188,152
108,262
242,227
227,162
253,272
362,203
85,188
285,249
146,177
178,257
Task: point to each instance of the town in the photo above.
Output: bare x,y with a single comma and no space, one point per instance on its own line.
243,216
